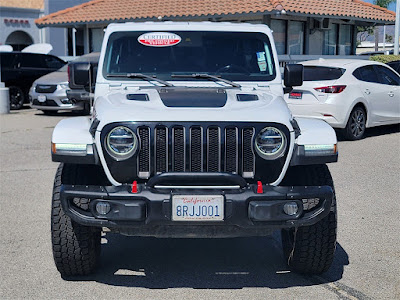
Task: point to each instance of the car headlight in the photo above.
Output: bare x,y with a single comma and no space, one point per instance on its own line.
121,143
270,143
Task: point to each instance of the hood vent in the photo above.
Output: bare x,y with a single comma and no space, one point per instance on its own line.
246,97
137,97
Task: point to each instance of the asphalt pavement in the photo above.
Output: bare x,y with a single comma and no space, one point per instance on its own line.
366,264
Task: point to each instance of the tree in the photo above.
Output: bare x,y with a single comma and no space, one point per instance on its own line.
363,32
384,4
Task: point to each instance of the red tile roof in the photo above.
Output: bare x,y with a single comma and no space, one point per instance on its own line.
106,11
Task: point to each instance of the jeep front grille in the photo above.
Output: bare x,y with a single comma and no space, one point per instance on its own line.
196,149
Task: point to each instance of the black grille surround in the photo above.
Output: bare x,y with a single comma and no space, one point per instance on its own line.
195,147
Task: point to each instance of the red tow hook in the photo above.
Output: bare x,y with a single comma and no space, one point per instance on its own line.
134,187
259,187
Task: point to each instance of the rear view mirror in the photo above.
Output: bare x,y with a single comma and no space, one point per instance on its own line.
293,75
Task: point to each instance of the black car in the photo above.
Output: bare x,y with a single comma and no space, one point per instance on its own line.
395,65
19,70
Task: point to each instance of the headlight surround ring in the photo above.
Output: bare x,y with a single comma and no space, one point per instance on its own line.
270,143
123,135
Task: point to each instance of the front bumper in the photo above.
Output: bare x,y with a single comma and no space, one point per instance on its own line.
54,101
148,212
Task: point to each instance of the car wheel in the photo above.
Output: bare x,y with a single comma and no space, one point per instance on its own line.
310,249
356,124
86,109
76,248
17,97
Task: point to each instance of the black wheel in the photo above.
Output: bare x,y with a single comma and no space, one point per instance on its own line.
310,249
17,97
76,248
50,112
355,127
86,109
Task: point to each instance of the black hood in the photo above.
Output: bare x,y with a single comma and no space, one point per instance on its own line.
193,97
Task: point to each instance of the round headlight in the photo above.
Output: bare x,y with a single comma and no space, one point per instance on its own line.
270,143
121,143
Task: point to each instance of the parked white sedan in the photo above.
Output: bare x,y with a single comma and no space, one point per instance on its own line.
348,94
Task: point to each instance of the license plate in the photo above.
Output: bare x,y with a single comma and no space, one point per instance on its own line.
198,208
296,95
41,98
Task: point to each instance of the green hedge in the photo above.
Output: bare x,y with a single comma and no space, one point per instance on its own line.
385,58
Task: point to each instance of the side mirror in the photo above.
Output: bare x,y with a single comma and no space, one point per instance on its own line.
293,76
80,75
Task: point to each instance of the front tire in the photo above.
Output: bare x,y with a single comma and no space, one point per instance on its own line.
76,248
310,249
17,97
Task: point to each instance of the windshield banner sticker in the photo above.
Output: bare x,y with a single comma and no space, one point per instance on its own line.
262,63
159,39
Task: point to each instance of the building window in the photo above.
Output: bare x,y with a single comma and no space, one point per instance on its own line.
296,38
345,40
78,41
330,40
279,32
288,36
95,39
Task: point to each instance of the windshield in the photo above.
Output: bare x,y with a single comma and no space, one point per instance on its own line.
237,56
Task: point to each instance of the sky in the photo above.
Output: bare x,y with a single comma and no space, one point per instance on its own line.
391,6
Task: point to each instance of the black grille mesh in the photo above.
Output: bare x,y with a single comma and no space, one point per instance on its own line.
214,150
144,153
248,154
161,149
178,149
231,150
196,149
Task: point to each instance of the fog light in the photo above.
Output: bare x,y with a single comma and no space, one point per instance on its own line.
103,208
291,208
66,101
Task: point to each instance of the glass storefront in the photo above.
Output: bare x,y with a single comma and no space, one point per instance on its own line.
345,40
330,40
279,33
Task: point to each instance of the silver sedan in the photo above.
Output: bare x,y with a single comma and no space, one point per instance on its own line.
49,93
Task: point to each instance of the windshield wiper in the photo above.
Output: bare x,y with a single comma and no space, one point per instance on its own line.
141,76
206,76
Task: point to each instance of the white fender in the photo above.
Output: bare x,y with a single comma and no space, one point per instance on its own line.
315,132
73,131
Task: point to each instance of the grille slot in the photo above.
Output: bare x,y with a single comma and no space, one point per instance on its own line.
178,149
231,150
196,149
45,89
144,152
213,149
248,153
161,149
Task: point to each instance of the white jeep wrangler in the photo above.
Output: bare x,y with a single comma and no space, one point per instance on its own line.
190,137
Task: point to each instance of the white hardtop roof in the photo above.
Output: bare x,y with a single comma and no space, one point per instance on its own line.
195,26
338,63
